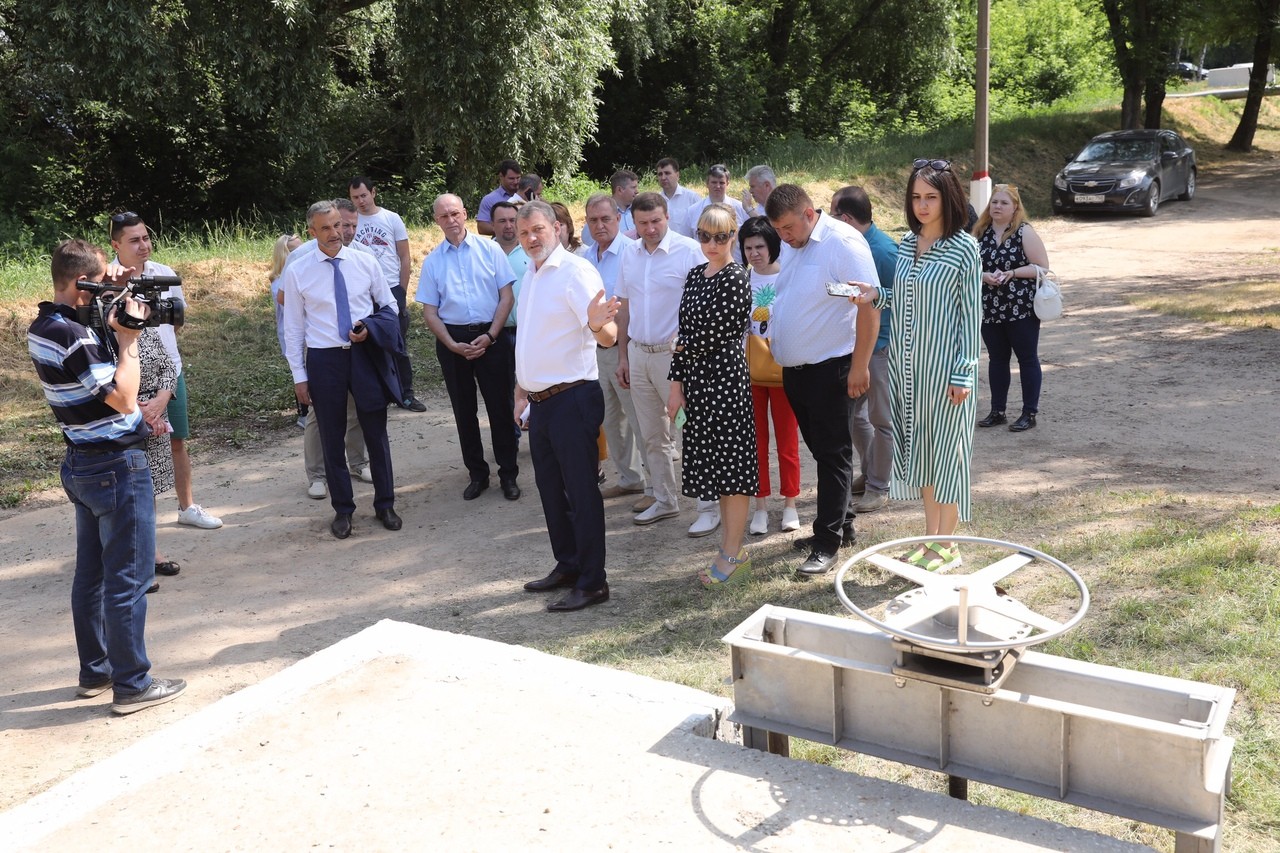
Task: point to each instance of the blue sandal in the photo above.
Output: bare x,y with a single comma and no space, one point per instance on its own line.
741,571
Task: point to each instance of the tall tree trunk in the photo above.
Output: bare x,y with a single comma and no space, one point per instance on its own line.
1131,105
1155,102
1242,139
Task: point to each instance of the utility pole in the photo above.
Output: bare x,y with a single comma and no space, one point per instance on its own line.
980,184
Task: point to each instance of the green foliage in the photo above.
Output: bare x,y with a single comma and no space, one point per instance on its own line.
496,74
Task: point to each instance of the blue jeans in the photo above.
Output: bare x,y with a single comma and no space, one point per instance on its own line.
115,563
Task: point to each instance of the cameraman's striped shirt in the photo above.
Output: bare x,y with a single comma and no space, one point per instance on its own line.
77,373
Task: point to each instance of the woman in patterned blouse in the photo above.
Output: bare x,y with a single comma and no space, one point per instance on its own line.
933,357
1011,250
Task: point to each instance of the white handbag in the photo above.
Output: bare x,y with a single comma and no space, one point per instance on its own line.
1048,299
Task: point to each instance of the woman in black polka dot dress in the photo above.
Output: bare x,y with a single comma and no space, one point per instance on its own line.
710,381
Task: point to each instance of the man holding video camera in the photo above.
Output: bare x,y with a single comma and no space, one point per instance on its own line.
94,395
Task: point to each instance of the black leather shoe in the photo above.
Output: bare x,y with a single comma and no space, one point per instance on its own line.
817,564
511,490
805,543
555,580
389,519
1024,423
341,525
413,404
993,419
473,489
580,598
155,586
168,567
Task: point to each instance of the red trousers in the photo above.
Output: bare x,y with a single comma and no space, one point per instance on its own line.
786,436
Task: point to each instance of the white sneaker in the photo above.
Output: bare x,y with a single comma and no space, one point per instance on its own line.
317,490
365,474
790,519
706,523
195,516
759,523
657,512
302,422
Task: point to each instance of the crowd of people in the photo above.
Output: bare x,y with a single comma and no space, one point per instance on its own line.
674,316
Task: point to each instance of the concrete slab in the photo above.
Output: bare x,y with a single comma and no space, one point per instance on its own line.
402,737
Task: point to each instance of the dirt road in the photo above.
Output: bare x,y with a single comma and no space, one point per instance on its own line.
1131,400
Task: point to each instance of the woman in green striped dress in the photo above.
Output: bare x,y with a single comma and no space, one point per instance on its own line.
933,357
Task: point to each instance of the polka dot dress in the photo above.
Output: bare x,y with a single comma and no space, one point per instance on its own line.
719,456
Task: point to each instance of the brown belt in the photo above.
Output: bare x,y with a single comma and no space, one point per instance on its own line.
548,393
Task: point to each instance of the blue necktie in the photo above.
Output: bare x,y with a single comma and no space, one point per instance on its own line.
340,300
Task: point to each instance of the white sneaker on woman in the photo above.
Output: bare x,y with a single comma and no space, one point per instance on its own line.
790,519
759,523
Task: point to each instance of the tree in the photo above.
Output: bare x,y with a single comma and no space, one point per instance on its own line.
190,109
1143,33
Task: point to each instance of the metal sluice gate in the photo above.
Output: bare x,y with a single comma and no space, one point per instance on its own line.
943,680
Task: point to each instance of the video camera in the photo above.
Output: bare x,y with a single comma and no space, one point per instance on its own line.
146,289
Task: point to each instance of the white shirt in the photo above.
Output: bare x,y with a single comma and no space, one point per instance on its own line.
313,245
555,345
310,315
695,212
652,284
809,325
678,209
380,232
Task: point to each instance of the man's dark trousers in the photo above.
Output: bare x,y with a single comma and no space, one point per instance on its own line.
329,381
819,396
562,438
492,373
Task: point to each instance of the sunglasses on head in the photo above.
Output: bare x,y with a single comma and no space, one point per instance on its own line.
720,237
936,165
122,218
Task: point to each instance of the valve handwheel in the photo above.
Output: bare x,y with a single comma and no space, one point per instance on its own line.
967,612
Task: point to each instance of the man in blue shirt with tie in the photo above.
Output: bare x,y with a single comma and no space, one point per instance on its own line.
329,295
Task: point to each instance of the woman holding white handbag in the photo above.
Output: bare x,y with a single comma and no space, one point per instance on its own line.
1012,255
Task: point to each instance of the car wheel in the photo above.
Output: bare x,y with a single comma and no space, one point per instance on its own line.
1153,200
1191,186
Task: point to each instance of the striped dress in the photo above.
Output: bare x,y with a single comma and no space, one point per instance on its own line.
937,313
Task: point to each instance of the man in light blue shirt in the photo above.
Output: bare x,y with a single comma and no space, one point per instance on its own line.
620,426
465,291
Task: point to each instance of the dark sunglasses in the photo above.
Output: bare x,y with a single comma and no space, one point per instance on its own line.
721,237
123,218
936,165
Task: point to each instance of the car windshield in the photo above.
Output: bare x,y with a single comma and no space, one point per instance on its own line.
1118,150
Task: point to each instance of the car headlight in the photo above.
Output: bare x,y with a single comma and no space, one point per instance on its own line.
1060,181
1132,179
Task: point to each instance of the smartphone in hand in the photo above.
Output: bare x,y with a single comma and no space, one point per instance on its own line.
843,289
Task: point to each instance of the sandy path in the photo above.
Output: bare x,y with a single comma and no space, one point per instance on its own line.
1131,400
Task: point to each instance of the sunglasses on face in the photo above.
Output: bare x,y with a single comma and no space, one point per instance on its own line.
720,237
936,165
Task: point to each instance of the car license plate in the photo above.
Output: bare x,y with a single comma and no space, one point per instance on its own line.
1090,199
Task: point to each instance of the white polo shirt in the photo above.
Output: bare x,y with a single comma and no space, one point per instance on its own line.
809,325
310,312
555,345
652,283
